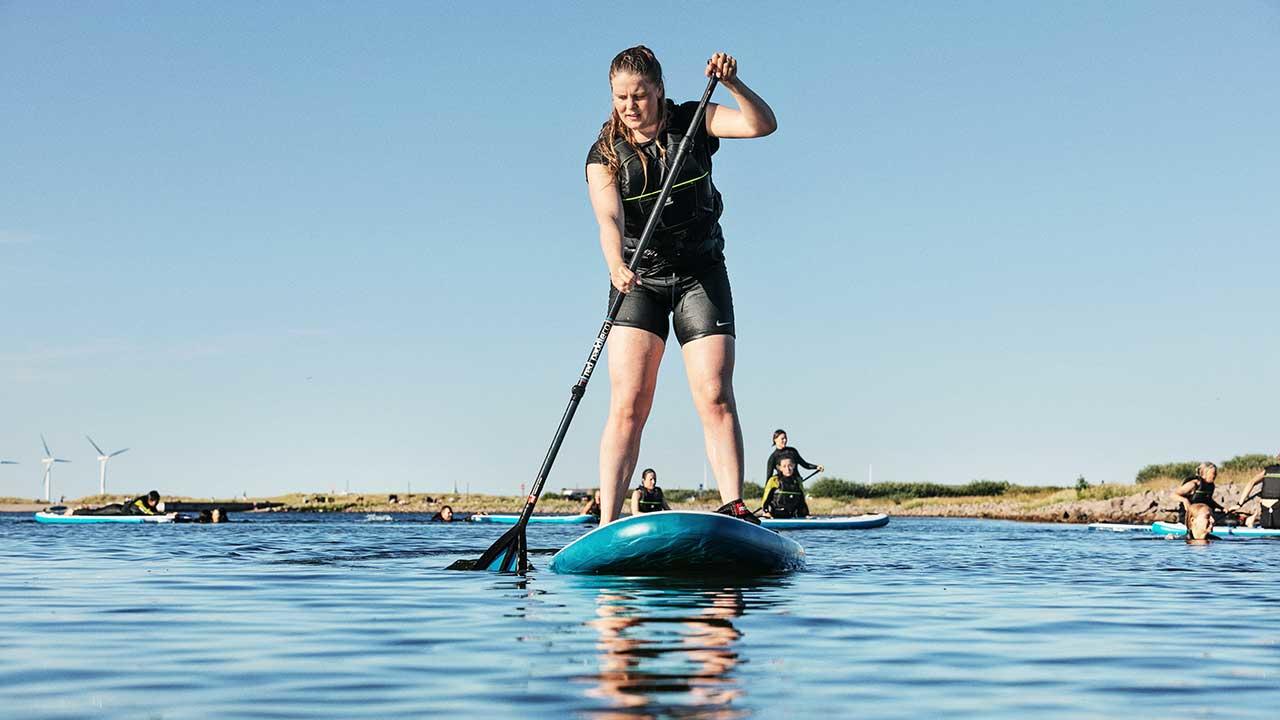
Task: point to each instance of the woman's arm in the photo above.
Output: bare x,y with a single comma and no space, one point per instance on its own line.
635,502
753,117
1248,489
607,206
804,464
1183,491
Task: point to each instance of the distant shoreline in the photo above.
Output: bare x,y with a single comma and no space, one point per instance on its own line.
1124,504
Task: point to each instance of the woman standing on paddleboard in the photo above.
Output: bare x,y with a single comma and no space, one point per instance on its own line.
681,280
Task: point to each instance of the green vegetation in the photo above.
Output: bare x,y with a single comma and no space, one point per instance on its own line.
686,495
845,490
1248,463
1175,470
1240,464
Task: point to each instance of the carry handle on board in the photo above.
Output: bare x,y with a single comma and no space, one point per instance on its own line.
510,551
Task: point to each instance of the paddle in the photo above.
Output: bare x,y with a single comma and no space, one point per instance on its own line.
510,552
806,477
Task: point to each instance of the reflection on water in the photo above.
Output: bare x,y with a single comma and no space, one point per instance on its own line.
667,647
308,616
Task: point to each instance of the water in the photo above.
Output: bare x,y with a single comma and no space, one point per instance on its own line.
306,616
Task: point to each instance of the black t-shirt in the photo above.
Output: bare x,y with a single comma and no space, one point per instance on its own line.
688,232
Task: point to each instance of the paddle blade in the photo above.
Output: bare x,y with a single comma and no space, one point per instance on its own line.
509,554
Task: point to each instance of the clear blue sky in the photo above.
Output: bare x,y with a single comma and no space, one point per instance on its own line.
280,246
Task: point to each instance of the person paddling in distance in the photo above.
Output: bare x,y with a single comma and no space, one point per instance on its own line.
1198,490
784,493
782,450
680,279
648,497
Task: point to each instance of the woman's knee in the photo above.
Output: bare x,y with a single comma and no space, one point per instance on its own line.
630,409
714,399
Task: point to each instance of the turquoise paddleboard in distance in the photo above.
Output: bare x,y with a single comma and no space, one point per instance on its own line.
1166,528
680,542
539,519
854,522
58,519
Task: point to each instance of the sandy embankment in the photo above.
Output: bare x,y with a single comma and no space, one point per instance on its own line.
1126,504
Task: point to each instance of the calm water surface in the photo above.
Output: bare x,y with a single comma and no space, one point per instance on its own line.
304,616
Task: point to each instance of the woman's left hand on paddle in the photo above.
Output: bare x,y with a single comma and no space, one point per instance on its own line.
724,66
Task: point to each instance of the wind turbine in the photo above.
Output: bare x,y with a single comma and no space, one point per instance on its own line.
102,464
48,460
8,462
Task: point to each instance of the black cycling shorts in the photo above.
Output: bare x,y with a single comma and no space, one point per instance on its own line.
699,303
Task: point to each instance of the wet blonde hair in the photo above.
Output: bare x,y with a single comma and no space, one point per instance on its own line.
638,60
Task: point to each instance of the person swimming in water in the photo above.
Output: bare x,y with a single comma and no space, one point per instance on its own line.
784,493
445,515
1200,524
648,497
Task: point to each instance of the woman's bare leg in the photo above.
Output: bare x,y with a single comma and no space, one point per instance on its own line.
708,361
634,357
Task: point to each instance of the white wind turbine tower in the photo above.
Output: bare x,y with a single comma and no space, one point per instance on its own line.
48,460
102,464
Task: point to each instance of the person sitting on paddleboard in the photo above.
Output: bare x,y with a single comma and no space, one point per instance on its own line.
593,506
1198,490
445,515
782,450
680,280
1200,524
784,493
1266,486
648,497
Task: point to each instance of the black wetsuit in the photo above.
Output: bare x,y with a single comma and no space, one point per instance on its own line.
683,280
776,457
651,500
1201,494
136,506
594,509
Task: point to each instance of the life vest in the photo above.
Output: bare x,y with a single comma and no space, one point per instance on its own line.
1269,498
787,497
139,506
688,224
651,500
1203,493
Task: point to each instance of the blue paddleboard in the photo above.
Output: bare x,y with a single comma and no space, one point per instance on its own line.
855,522
1166,528
679,542
540,519
57,519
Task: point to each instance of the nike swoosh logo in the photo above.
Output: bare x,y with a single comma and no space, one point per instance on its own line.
722,324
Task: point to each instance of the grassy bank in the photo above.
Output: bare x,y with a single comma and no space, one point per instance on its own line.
1144,501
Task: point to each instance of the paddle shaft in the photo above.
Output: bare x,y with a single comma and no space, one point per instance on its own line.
580,387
